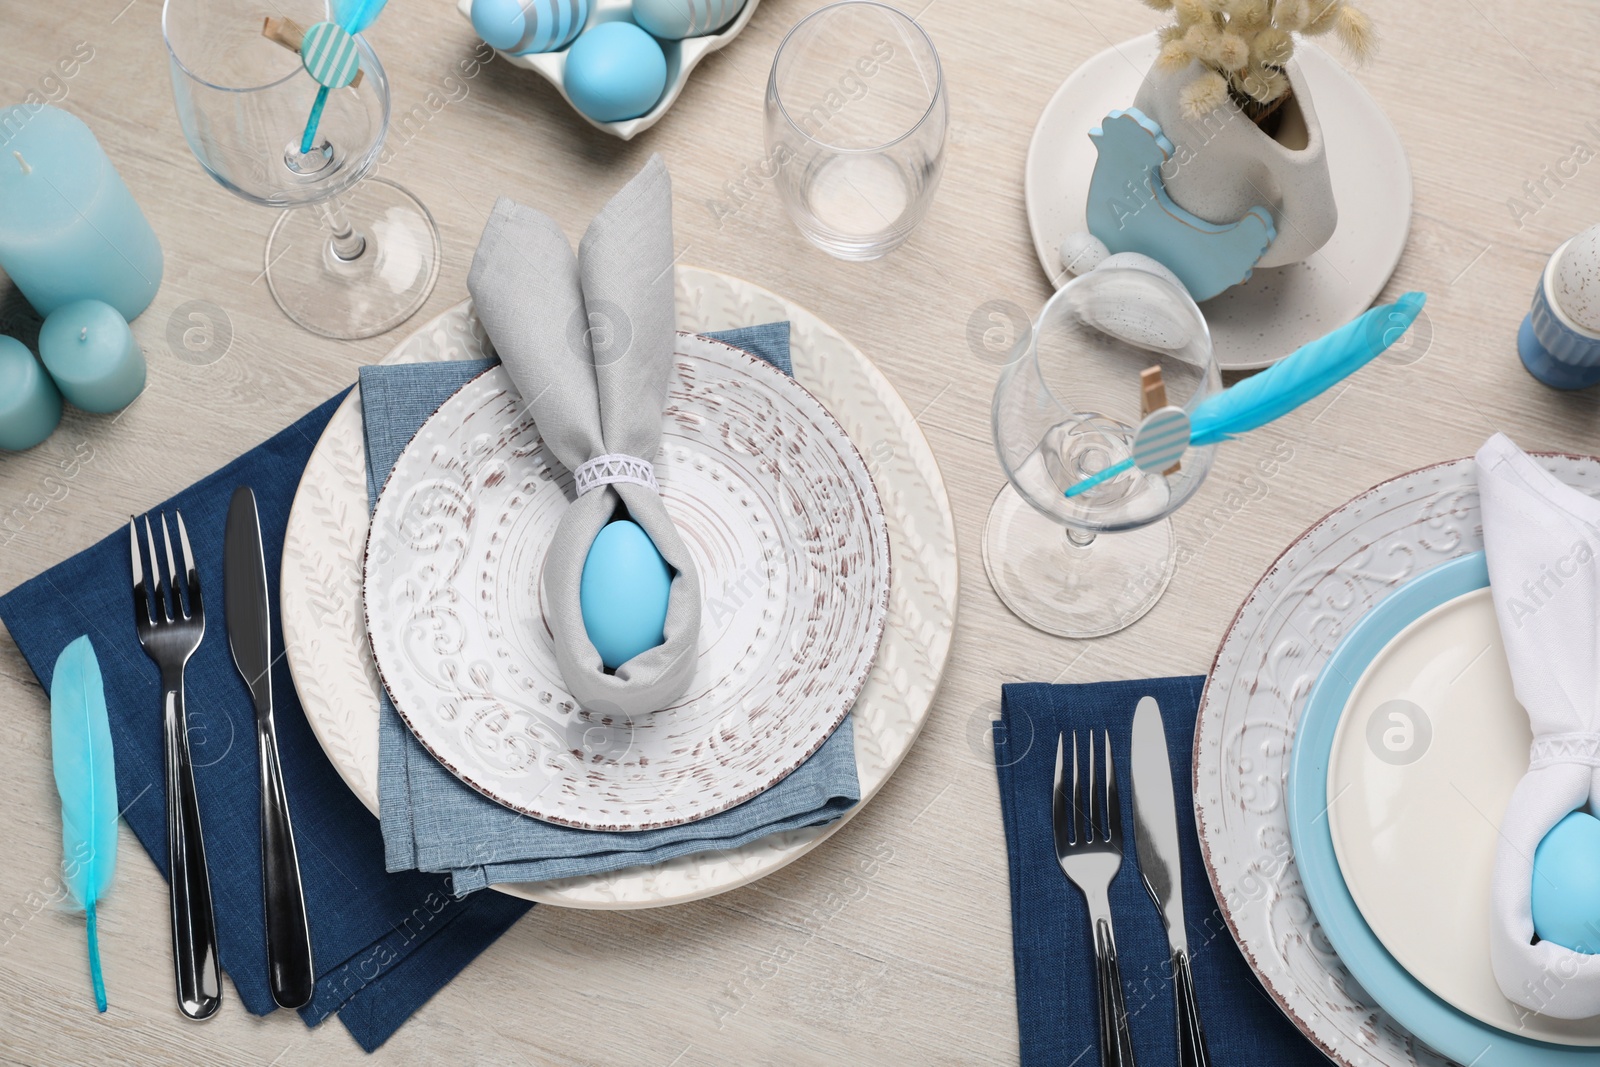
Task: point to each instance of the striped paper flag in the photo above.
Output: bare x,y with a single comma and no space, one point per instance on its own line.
329,54
1162,439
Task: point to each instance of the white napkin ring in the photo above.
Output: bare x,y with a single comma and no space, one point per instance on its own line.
1553,749
605,470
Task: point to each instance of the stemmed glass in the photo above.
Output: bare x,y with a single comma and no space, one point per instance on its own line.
342,260
1067,407
855,122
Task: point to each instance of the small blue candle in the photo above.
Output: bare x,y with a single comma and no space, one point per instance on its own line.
90,352
69,228
30,406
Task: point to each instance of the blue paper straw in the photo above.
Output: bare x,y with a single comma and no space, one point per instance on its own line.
311,123
1104,476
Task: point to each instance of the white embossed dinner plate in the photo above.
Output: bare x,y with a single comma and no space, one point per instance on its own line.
778,512
329,656
1259,321
1284,633
1429,745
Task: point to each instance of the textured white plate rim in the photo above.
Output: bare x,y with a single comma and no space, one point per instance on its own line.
743,866
1217,890
772,379
1034,177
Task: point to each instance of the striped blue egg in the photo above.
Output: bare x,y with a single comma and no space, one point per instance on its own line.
524,26
673,20
329,55
1161,440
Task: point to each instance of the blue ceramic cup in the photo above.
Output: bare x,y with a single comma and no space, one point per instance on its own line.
1556,350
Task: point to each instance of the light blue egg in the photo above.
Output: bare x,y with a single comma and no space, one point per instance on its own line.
1566,884
677,19
623,593
524,26
615,71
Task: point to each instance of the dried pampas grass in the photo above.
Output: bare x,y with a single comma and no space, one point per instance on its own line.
1243,46
1205,94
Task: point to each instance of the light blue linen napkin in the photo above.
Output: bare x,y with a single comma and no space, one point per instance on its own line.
434,822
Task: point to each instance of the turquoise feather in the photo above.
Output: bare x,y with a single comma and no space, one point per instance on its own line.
356,15
86,778
1310,371
1306,374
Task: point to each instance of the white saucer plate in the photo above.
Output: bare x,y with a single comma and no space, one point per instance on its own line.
1257,323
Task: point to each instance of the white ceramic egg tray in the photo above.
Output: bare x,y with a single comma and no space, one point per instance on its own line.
682,57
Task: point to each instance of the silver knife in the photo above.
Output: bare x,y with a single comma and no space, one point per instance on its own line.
289,969
1155,835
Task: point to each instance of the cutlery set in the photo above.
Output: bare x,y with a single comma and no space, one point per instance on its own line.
169,616
1086,814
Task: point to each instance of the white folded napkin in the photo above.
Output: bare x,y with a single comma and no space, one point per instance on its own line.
1542,539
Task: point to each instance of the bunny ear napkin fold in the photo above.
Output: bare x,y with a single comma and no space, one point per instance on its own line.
1542,539
588,341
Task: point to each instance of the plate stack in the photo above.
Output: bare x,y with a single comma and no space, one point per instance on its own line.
1357,745
771,480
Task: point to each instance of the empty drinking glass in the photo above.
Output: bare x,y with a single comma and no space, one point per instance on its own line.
856,115
346,259
1067,408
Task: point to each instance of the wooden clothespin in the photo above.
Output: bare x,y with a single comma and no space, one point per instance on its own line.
291,35
1153,389
1152,398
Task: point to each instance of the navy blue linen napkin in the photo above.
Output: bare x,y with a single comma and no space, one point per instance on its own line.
383,943
1050,934
434,822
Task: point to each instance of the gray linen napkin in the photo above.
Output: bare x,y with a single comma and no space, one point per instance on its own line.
588,342
433,822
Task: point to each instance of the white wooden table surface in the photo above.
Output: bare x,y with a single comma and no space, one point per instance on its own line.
815,965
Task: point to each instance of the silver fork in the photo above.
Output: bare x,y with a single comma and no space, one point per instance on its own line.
170,618
1089,849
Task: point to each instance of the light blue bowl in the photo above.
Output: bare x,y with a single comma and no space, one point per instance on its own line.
1451,1032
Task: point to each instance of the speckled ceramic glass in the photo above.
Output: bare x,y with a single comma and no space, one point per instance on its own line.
1555,349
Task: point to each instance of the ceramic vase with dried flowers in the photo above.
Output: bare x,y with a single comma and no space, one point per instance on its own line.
1228,94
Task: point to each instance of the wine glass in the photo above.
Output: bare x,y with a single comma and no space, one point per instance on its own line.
856,113
1066,409
344,259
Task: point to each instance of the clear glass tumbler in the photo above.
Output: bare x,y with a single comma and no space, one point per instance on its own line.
1066,408
347,258
856,114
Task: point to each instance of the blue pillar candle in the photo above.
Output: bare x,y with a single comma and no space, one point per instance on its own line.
69,228
30,406
90,352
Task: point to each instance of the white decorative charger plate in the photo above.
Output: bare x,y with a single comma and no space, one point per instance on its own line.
330,657
1279,308
682,57
785,529
1429,748
1272,653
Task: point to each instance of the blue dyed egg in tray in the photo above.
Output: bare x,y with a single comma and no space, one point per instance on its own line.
682,57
